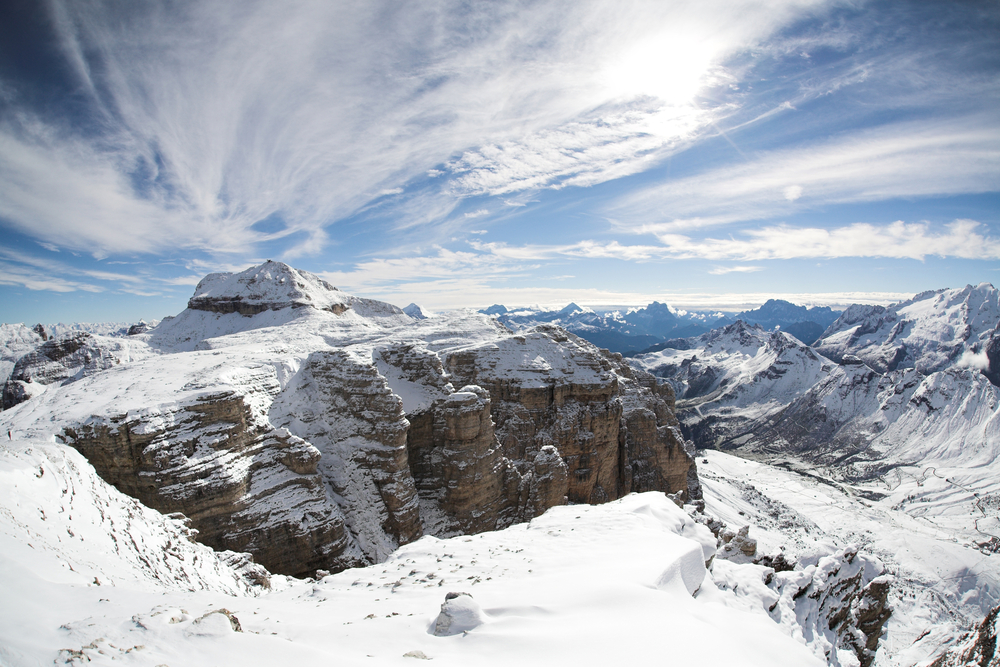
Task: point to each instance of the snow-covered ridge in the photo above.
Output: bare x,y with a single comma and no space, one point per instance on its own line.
97,579
898,409
270,286
929,332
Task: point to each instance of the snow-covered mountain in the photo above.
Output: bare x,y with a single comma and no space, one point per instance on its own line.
930,332
618,330
893,405
658,326
318,430
806,324
487,496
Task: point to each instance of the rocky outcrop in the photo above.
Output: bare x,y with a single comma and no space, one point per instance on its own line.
342,405
992,352
834,598
243,485
456,463
549,388
459,613
978,648
62,359
270,286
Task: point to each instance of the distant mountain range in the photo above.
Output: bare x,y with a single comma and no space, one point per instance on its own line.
658,326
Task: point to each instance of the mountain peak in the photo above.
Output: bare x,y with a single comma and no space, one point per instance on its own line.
570,309
269,286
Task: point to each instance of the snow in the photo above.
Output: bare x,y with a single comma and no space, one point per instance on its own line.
16,340
95,578
918,526
928,332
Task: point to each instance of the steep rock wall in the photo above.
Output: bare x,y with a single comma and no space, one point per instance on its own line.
342,405
245,486
550,389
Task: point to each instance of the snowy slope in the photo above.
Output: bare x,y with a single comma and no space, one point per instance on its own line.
919,526
929,332
580,585
887,436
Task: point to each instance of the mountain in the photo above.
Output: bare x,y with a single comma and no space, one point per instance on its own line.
806,324
636,329
639,330
780,313
415,311
930,332
319,430
898,406
482,495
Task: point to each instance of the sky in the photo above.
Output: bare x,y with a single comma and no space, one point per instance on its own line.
459,153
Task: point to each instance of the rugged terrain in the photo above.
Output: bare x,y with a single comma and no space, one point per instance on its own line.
318,430
892,419
281,420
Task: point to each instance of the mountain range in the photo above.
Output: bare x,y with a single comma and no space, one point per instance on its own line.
658,326
286,471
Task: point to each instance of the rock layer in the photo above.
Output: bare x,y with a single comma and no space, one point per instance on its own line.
317,439
243,485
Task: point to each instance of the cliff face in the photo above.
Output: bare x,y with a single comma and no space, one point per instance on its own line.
245,487
323,439
63,359
612,430
342,405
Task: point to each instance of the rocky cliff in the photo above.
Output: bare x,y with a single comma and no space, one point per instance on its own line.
64,359
317,430
243,485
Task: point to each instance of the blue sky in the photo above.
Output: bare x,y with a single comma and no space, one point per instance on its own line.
459,153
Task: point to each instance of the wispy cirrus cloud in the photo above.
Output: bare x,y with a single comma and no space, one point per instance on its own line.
962,239
723,270
208,117
958,156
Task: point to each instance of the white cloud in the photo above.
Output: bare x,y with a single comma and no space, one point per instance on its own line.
219,115
960,238
35,280
477,214
978,361
723,270
917,159
620,142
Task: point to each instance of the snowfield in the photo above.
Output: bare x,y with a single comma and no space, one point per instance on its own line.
921,528
92,577
879,484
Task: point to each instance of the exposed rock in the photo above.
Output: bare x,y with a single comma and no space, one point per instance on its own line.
978,648
244,486
992,351
551,388
62,359
457,464
737,546
342,405
459,613
840,598
140,327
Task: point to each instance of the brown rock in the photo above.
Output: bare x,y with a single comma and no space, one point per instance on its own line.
244,486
